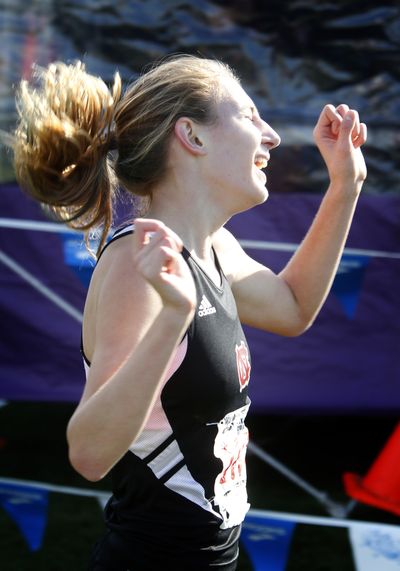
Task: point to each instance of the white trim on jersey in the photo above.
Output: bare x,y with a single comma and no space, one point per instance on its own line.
148,441
166,460
183,483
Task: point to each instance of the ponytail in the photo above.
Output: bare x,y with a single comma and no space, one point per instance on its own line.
61,145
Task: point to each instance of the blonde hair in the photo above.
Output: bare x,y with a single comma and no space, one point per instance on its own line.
69,120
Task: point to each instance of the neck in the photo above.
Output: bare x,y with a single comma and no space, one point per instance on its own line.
194,220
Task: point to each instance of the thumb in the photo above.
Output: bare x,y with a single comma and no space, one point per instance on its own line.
347,126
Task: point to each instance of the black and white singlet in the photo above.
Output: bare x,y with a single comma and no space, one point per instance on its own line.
179,492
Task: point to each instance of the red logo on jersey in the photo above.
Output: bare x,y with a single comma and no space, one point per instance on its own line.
243,364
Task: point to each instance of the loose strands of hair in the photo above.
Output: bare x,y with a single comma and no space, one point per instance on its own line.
61,144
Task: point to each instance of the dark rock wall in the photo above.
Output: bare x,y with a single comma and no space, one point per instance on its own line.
293,57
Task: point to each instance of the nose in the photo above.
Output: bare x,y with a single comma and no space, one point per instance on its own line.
270,137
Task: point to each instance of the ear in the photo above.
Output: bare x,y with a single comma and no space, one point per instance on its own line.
188,134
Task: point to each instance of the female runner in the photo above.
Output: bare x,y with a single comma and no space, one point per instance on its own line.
167,361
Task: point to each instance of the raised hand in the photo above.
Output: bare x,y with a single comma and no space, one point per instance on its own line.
157,257
339,136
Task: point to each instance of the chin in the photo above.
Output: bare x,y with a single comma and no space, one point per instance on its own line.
254,200
262,196
265,195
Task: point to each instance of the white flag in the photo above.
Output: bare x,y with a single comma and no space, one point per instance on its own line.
375,547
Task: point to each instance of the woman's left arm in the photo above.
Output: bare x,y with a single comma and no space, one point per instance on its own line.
289,302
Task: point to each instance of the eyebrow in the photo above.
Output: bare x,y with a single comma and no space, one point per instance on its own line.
248,107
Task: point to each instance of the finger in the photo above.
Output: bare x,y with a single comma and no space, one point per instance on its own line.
172,260
351,129
157,262
348,126
330,118
163,238
151,241
342,109
151,231
329,114
362,136
143,227
356,129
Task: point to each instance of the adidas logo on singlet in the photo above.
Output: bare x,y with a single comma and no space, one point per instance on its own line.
205,307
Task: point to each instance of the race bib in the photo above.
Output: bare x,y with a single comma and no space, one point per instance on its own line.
230,485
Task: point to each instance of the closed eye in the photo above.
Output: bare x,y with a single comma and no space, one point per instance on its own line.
251,113
248,112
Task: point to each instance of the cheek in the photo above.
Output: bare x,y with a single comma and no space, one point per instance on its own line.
237,167
240,152
232,154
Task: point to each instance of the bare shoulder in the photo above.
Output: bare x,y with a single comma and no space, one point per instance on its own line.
229,252
115,274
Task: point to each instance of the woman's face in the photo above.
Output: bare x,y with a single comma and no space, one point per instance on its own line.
239,146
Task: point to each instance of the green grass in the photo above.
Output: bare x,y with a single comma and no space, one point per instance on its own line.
318,449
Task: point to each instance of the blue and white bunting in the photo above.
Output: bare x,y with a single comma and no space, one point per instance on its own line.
267,541
375,547
348,282
27,506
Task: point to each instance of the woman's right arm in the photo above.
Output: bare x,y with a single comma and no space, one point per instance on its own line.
143,305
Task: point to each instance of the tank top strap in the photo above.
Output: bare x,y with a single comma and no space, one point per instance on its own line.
119,233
